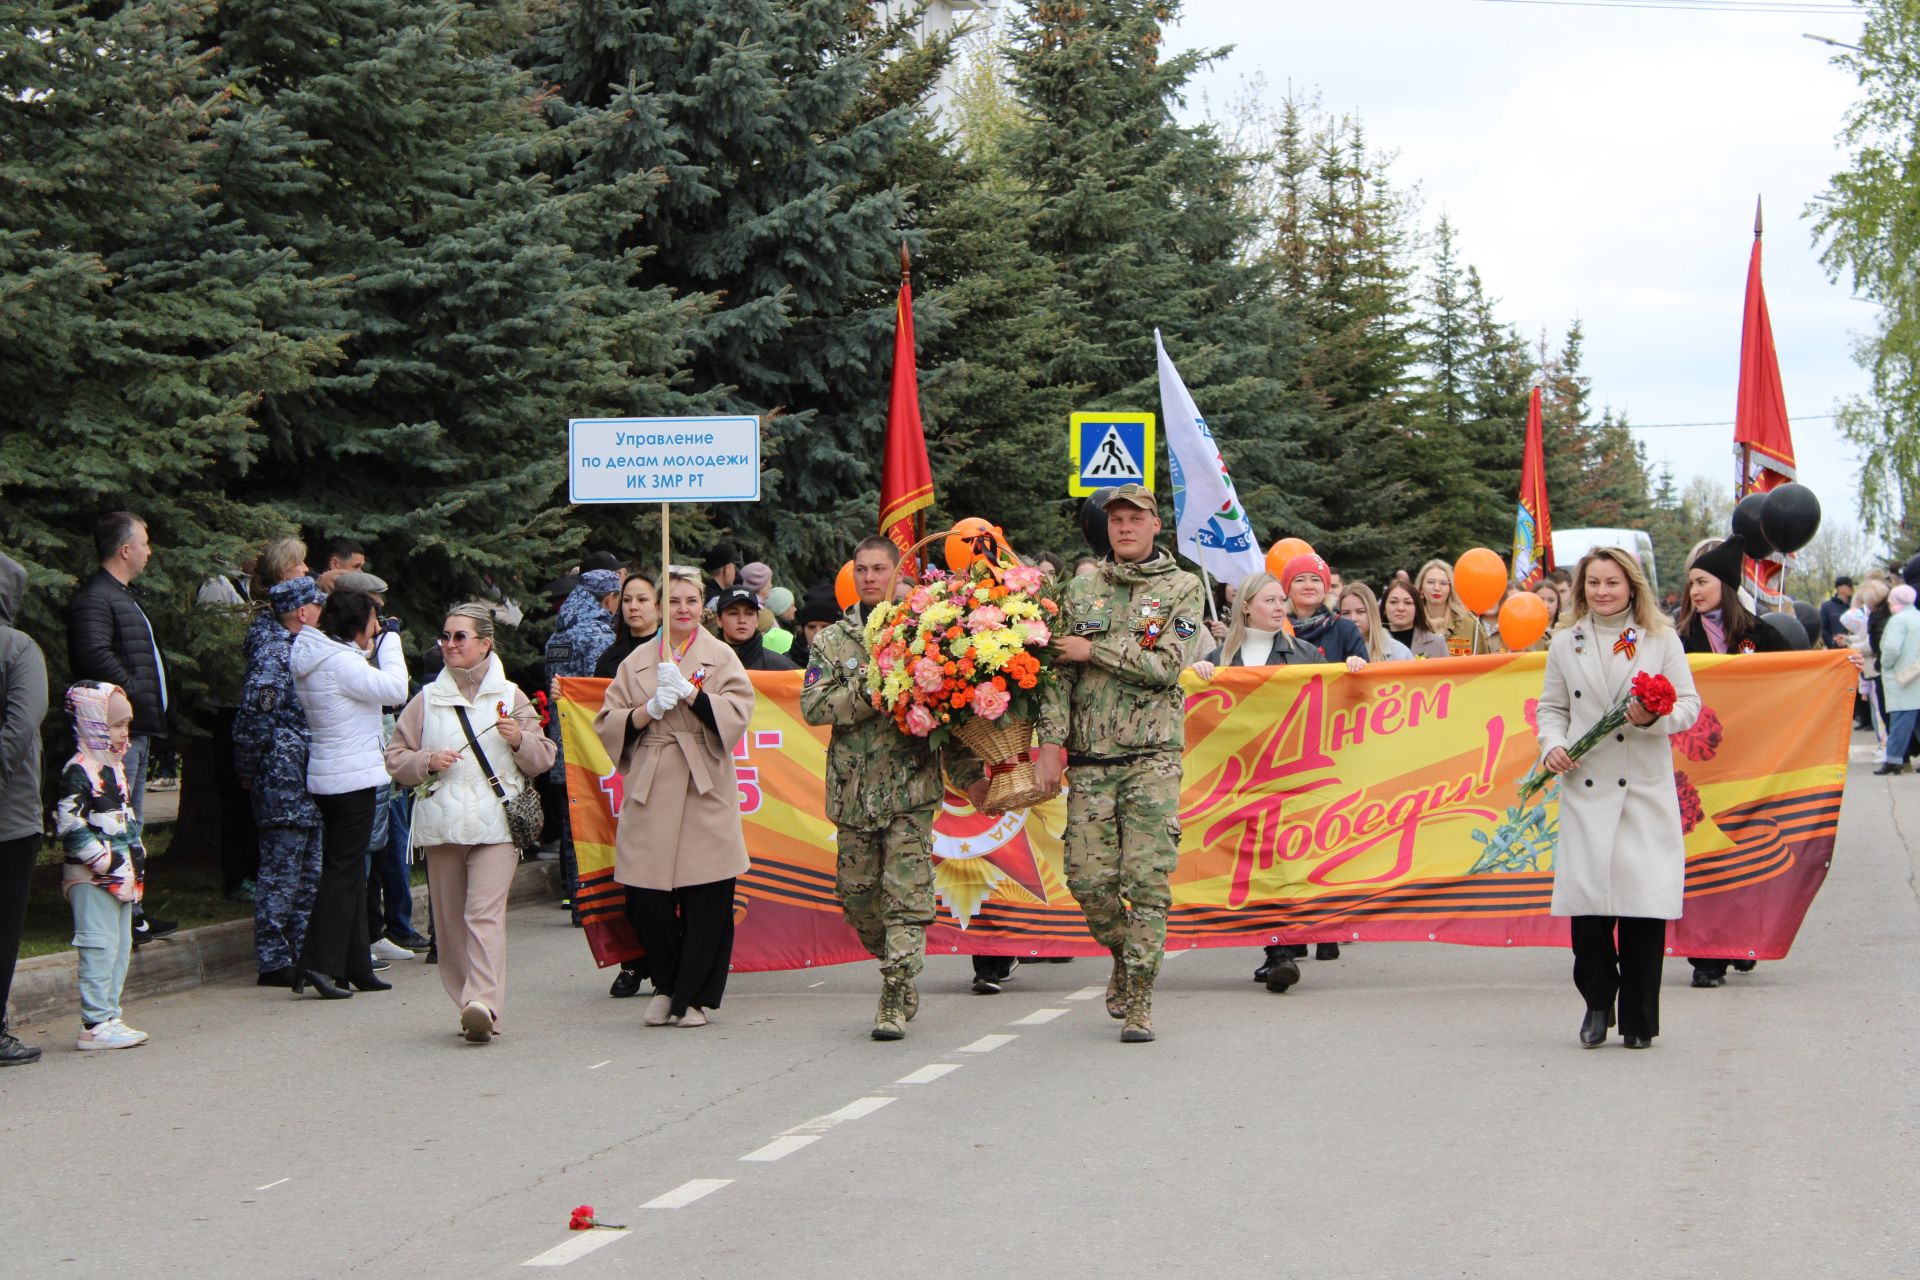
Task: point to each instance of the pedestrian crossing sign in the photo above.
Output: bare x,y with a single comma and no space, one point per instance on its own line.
1108,448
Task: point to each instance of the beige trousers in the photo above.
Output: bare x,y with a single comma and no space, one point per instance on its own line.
468,884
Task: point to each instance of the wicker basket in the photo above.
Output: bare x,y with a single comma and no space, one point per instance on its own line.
1005,747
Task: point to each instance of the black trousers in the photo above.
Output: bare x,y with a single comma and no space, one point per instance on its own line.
336,943
688,934
1629,970
239,838
16,876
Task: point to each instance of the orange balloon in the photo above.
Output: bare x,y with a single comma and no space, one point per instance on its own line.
1285,550
1479,577
843,589
1523,620
960,541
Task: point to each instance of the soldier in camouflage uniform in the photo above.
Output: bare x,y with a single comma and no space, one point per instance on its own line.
1116,717
883,789
270,741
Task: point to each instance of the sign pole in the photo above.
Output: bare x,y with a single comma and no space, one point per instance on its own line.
666,568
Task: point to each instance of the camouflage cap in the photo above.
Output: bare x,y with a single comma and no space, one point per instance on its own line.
1136,495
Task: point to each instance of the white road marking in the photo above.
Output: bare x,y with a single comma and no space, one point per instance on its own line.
686,1193
782,1147
928,1074
987,1044
1086,993
1039,1016
1173,955
812,985
582,1244
596,1066
271,1185
852,1111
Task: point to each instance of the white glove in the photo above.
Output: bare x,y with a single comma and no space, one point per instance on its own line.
662,702
670,678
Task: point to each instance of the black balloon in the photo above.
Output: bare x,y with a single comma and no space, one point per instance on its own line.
1788,628
1790,516
1910,572
1746,523
1093,523
1808,615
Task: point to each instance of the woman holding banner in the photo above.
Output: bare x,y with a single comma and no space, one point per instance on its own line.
1620,866
1714,620
670,722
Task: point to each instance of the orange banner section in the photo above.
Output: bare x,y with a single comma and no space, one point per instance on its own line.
1317,805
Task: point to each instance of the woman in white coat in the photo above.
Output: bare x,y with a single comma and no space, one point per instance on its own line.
345,670
462,821
1621,862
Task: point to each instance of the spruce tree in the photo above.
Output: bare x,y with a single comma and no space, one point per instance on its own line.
1502,376
1449,439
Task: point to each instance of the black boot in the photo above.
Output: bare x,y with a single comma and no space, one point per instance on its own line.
1593,1028
323,985
1326,951
626,984
1283,971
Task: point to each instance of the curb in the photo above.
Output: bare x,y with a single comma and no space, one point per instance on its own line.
46,988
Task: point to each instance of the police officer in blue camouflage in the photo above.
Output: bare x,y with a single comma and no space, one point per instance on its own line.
584,633
270,741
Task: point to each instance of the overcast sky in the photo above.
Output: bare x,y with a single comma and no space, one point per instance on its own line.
1603,163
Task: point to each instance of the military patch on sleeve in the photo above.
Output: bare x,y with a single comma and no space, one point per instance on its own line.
560,653
1185,628
266,699
813,676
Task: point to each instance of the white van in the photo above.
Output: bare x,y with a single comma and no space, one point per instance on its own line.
1570,544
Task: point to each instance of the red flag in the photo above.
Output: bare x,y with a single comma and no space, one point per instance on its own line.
1762,440
1532,526
906,478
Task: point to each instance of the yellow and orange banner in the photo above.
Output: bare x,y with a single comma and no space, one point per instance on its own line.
1317,805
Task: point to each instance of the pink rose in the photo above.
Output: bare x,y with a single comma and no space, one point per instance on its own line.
919,600
884,661
1023,578
919,721
1037,634
929,675
990,702
986,618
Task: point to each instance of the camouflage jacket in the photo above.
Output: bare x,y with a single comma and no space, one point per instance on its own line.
270,733
1145,621
875,773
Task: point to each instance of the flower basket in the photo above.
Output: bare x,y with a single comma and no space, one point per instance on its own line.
1005,747
968,656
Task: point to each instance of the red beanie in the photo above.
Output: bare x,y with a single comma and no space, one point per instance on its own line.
1306,562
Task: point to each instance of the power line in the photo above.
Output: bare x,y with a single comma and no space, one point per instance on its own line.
1662,426
1815,7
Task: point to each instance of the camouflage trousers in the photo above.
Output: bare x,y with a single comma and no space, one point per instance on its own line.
1122,843
884,878
283,893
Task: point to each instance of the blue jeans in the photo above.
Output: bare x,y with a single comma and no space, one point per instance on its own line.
387,866
139,755
1900,735
103,935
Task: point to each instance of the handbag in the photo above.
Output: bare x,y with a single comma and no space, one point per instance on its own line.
524,816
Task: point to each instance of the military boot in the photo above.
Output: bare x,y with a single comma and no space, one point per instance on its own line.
890,1020
912,1005
1117,989
1139,1011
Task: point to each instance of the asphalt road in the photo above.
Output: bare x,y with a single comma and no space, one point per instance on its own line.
1407,1111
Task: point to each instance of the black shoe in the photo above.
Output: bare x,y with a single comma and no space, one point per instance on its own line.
321,983
1326,951
1266,965
411,941
1708,978
275,978
1638,1042
147,928
378,965
1298,951
626,984
1743,966
15,1054
368,982
985,986
1593,1028
432,956
1282,973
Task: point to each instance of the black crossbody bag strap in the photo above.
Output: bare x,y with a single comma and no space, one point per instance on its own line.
486,765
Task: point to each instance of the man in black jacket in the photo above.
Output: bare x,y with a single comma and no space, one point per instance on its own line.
739,611
109,638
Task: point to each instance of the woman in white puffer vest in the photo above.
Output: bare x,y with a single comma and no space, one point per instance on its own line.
461,821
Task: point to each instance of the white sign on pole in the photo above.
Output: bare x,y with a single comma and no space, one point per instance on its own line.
713,459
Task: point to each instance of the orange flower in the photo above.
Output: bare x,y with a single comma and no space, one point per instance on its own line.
997,593
1027,682
1050,606
999,682
950,668
954,633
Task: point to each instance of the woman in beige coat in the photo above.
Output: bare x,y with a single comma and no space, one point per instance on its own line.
1621,861
462,822
670,726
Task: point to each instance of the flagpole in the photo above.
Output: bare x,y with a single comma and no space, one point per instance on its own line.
1206,584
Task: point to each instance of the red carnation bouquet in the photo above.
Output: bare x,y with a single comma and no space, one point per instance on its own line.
1654,692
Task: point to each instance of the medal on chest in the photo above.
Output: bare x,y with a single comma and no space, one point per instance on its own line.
1151,624
1628,643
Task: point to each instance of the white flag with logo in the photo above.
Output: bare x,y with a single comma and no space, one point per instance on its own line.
1213,530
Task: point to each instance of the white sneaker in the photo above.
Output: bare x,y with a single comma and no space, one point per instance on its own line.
111,1034
388,950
